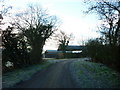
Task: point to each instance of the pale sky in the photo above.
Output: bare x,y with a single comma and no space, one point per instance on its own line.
71,15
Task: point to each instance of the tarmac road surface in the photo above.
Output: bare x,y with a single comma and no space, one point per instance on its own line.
55,76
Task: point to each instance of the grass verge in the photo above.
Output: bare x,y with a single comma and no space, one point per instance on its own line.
95,75
11,78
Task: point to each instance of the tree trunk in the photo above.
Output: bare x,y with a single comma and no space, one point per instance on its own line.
36,54
110,29
116,33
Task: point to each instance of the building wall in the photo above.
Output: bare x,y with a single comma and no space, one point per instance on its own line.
60,55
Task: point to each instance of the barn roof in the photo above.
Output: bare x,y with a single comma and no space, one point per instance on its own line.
52,51
74,48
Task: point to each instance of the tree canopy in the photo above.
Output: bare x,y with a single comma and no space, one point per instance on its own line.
37,26
109,13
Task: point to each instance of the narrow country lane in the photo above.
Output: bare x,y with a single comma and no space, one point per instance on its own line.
73,73
56,76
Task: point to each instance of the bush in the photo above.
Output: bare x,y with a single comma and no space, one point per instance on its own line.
106,54
14,50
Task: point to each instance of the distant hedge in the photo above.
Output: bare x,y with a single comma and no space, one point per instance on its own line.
107,54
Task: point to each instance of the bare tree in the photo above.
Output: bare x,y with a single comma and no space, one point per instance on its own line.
62,41
4,9
37,26
109,13
107,52
3,12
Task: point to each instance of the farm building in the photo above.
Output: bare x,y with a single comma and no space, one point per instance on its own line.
71,52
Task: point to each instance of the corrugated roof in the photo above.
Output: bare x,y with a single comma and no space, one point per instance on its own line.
52,51
71,47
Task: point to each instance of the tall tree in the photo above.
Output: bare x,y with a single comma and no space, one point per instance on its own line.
4,9
37,26
63,40
109,13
